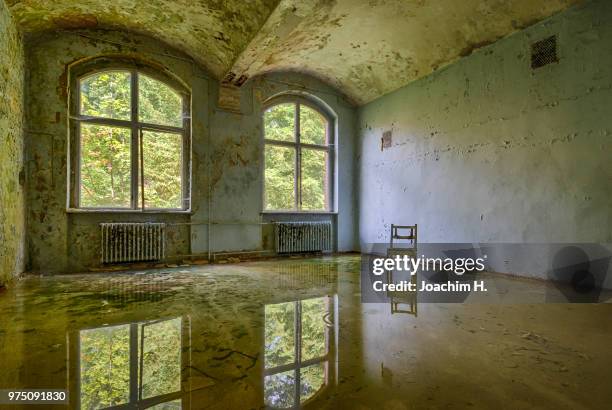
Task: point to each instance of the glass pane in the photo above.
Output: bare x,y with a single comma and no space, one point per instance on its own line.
105,367
279,390
313,328
280,177
279,122
314,180
280,334
105,167
158,103
312,379
163,169
161,360
107,94
313,127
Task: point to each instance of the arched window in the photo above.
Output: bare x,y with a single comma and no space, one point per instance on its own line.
298,155
130,142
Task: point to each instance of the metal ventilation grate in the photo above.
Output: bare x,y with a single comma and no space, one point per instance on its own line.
544,52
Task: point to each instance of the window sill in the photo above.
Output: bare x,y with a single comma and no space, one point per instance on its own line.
299,213
128,211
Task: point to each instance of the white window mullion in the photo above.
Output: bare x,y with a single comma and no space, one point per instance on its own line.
135,146
298,160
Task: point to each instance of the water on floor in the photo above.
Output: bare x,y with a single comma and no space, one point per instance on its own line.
294,333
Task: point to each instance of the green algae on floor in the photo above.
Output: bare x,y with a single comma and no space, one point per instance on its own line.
294,333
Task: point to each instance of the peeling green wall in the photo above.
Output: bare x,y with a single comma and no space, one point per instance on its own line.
12,225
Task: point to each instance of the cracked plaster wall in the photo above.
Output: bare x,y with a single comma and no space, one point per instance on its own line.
489,150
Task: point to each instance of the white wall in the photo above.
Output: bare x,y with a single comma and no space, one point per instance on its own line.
489,150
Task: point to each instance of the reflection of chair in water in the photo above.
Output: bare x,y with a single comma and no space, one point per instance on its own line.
397,298
404,298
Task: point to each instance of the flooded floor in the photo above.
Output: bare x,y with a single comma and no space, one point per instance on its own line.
294,333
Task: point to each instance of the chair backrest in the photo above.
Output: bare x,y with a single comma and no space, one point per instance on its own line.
404,232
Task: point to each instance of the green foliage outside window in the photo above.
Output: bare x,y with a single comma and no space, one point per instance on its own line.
280,177
105,166
163,167
107,95
281,182
158,103
106,154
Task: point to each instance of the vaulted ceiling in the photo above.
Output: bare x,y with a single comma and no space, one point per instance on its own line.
366,48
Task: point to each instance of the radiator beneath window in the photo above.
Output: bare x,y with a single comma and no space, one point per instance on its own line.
132,242
296,237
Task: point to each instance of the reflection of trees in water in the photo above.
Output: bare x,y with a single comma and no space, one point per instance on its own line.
280,334
105,367
296,348
280,389
106,355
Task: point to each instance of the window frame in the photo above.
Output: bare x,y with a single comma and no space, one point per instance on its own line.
329,148
136,127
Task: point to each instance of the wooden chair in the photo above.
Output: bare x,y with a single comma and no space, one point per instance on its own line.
412,233
403,233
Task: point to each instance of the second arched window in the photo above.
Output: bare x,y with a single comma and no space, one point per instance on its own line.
297,158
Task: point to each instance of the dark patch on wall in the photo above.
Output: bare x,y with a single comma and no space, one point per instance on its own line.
387,140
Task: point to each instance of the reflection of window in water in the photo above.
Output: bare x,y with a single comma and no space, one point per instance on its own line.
136,365
297,351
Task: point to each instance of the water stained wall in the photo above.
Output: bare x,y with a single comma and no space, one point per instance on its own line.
12,222
227,178
212,32
491,150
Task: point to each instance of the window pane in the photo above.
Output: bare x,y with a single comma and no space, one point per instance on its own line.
105,367
314,180
280,334
313,127
313,328
280,177
312,379
107,94
279,122
163,165
158,103
105,167
279,390
161,360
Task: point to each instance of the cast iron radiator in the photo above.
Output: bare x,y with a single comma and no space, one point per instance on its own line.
132,242
296,237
